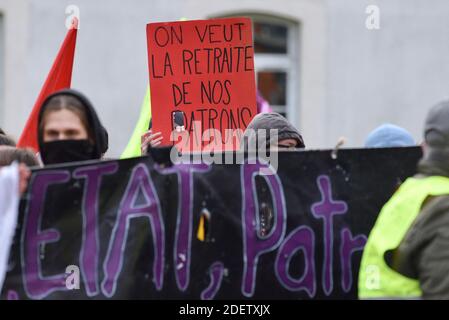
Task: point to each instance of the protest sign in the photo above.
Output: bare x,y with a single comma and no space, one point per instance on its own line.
131,227
202,71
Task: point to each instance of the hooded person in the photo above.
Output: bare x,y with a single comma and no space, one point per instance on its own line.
69,129
407,253
260,135
435,159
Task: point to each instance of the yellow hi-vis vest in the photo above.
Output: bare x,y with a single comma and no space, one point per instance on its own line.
376,278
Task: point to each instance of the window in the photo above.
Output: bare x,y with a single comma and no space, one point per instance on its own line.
276,60
270,37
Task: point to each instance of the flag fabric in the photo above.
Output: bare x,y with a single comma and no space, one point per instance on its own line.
133,147
59,77
9,208
262,104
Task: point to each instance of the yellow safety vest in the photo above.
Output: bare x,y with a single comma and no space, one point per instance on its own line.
376,278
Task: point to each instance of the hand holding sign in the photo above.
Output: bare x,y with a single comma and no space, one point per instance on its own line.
204,72
150,139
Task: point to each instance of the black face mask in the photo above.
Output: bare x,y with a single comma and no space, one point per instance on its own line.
61,151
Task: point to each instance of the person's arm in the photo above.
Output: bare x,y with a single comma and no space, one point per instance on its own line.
433,266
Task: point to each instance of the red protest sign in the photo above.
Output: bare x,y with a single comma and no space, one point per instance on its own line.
204,69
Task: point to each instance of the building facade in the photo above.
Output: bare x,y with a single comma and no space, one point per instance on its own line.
317,61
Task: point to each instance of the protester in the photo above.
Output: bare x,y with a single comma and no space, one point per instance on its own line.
10,154
407,253
389,135
69,129
258,135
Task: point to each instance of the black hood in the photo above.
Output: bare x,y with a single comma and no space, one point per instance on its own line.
99,133
435,162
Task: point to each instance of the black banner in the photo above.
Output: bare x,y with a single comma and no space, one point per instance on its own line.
131,229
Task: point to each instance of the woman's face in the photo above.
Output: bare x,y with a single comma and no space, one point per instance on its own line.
285,144
63,125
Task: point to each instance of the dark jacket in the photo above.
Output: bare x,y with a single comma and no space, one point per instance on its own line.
424,252
267,121
99,133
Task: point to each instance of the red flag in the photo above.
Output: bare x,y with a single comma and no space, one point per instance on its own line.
59,77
